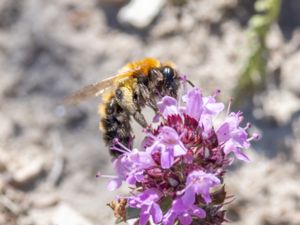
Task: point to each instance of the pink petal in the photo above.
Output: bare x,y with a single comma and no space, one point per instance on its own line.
241,156
179,150
114,184
167,159
156,213
168,106
223,133
189,197
214,108
144,217
198,212
169,218
185,219
194,103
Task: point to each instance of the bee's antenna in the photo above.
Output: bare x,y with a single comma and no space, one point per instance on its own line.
190,83
184,79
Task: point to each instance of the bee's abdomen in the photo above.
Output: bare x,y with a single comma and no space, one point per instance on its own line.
115,125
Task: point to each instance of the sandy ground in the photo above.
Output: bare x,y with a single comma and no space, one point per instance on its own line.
49,154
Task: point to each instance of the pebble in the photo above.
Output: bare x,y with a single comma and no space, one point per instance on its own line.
2,185
45,200
28,173
291,74
66,215
6,128
2,166
280,105
140,13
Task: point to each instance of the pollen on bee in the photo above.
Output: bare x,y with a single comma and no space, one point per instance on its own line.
101,109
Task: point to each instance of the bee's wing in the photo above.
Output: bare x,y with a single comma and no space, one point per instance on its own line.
91,90
97,88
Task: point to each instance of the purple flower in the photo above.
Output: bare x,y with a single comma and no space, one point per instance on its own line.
169,145
183,213
168,106
202,109
233,137
197,106
181,160
147,203
211,107
194,103
199,183
130,167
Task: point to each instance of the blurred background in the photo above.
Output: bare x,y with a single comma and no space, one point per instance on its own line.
49,153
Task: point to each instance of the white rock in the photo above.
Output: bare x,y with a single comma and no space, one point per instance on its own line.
44,200
140,13
281,105
29,172
6,128
65,215
291,74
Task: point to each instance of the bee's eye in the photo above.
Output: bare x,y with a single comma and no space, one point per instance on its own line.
168,73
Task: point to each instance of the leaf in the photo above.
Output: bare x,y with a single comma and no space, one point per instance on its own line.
166,204
261,6
258,21
132,213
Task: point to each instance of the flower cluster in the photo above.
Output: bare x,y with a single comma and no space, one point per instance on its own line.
177,175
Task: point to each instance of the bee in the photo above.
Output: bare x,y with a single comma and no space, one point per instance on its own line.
136,85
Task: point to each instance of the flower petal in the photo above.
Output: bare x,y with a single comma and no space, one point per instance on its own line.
114,184
167,159
144,215
168,106
194,103
223,133
196,211
156,213
212,107
169,218
179,150
241,156
185,219
189,197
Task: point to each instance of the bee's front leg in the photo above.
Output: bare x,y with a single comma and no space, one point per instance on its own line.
138,116
125,99
145,97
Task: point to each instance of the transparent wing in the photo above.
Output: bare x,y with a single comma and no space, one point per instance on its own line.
97,88
89,91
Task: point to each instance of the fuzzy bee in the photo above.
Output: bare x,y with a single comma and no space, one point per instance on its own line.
138,84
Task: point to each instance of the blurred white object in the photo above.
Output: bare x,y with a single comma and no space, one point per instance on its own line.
140,13
66,215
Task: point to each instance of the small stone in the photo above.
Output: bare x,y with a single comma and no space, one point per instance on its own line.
291,74
2,186
66,215
281,105
140,13
6,128
28,173
2,166
45,201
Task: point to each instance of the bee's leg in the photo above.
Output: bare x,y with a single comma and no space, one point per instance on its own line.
126,100
138,116
152,105
155,77
145,95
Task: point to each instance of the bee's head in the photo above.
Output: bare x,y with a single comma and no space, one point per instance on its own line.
169,75
170,79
